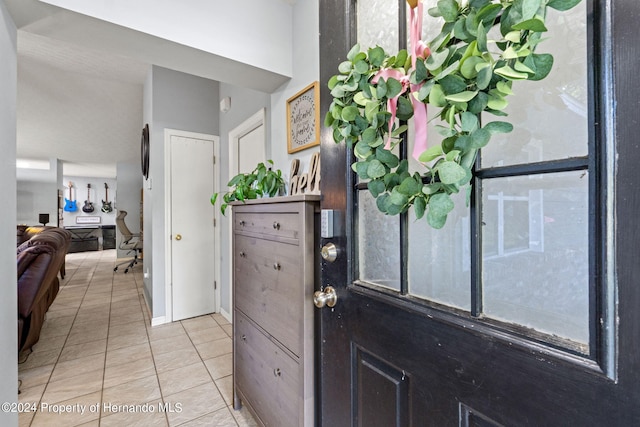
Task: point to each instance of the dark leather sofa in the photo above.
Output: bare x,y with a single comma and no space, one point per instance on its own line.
41,255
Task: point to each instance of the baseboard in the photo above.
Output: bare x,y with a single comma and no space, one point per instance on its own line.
226,315
161,320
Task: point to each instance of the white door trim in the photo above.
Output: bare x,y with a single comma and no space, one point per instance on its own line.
168,133
250,124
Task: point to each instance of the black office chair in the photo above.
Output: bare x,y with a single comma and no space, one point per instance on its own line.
130,241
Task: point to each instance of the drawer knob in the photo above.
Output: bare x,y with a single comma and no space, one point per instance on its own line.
277,266
241,223
243,254
276,225
276,372
243,337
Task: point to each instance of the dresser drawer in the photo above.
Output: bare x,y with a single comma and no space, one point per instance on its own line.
269,288
266,375
274,224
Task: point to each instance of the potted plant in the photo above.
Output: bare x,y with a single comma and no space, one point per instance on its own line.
261,182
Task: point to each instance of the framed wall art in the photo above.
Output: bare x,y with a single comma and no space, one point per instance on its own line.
303,119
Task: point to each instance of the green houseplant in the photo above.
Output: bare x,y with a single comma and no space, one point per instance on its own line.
260,182
468,69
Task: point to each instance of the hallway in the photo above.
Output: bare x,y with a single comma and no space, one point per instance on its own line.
100,363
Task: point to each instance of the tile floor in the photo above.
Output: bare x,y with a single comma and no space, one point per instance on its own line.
98,352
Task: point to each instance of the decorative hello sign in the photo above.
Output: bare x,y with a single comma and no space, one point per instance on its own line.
303,119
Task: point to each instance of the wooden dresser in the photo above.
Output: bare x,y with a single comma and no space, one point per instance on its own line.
274,259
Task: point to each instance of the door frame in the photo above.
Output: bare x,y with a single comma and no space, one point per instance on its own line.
168,133
259,118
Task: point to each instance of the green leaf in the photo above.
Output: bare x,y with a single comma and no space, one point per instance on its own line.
376,56
369,135
397,198
381,89
421,72
450,172
562,5
419,206
394,88
450,69
425,90
504,87
533,24
386,157
453,84
452,155
436,97
431,153
410,186
345,67
496,102
349,113
462,143
405,109
361,67
436,59
401,58
488,13
469,122
479,103
484,77
543,64
498,127
362,150
441,204
465,96
459,29
480,138
510,73
513,36
375,169
482,38
468,68
519,66
448,9
353,52
529,8
214,197
371,110
376,187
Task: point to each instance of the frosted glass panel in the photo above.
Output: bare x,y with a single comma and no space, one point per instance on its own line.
378,24
549,116
378,244
535,249
440,260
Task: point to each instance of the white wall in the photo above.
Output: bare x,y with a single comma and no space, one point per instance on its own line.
254,32
245,102
37,192
8,294
177,101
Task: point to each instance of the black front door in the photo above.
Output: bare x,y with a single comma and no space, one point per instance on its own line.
525,308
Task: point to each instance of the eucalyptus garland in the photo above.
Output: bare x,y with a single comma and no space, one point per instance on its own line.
461,73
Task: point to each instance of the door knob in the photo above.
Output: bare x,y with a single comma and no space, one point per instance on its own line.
178,237
328,297
329,252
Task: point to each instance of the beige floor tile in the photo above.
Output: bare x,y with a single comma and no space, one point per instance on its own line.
88,336
225,385
220,366
137,369
31,395
132,393
220,319
79,366
176,359
165,331
123,319
197,323
52,343
181,379
228,329
127,340
73,412
72,387
167,345
25,418
243,417
146,415
35,376
128,354
220,418
211,349
76,351
195,403
208,334
39,358
55,312
127,328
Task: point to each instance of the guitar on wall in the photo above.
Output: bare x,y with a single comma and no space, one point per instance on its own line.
106,204
70,204
88,206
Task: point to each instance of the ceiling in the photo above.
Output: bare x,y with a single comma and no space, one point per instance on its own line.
79,105
81,80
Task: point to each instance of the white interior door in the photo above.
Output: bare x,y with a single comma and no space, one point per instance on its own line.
251,150
192,227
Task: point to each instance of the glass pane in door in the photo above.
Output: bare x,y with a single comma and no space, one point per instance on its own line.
535,252
378,24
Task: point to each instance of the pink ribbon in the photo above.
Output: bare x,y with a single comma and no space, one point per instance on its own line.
420,50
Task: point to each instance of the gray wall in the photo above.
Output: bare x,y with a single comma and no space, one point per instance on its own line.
8,294
172,100
127,197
